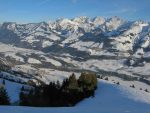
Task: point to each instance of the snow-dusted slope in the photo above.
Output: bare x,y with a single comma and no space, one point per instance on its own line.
108,98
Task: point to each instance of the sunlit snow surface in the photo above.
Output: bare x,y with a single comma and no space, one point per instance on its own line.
109,98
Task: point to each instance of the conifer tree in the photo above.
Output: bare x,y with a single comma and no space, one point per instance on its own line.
73,83
4,99
88,83
22,88
58,84
3,82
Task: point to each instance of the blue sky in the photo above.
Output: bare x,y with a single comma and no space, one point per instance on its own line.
24,11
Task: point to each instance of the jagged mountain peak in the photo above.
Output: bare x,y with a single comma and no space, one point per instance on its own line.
81,19
9,25
113,33
98,20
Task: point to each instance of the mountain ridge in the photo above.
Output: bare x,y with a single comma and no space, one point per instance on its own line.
73,29
83,43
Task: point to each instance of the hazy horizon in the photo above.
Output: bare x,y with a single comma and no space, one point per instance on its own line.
33,11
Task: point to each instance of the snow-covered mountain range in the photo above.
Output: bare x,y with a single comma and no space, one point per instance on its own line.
99,33
112,46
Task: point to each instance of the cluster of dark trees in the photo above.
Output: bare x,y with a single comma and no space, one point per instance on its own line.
4,99
69,93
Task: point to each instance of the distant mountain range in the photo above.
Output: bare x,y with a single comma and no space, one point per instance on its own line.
82,43
112,34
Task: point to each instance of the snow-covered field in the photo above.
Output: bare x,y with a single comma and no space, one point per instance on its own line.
52,61
34,57
33,61
109,98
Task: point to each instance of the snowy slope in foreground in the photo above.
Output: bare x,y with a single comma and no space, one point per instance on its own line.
109,98
13,90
